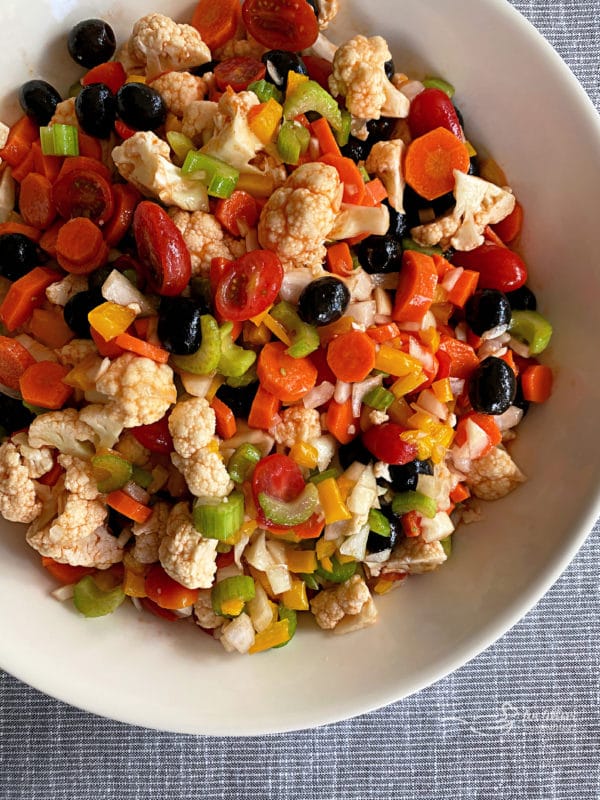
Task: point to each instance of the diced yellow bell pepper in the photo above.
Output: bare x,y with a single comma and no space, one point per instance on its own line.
382,586
438,453
442,390
83,375
295,598
328,332
277,329
247,528
324,549
232,608
264,124
443,435
331,501
431,338
440,295
301,560
256,184
327,564
400,411
135,79
345,486
407,384
134,584
470,149
277,633
256,334
294,79
110,319
395,362
305,455
442,311
421,440
343,559
133,565
260,318
215,384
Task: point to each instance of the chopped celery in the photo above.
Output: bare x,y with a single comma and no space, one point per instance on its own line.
292,620
340,572
142,477
447,545
439,83
238,587
234,360
35,409
241,462
220,178
74,89
246,379
410,244
379,523
334,472
310,581
532,328
414,501
304,337
378,398
265,91
293,140
309,96
91,601
59,140
343,135
180,143
364,174
206,358
292,512
111,471
217,518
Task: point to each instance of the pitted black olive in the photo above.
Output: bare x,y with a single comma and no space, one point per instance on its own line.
389,68
91,42
13,414
38,100
141,107
380,254
96,108
279,63
323,301
522,299
356,149
179,325
18,255
202,69
380,129
487,309
77,309
239,399
492,387
376,542
404,477
354,451
398,226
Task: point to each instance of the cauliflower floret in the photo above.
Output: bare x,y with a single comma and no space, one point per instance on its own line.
105,420
205,473
179,89
61,292
74,352
385,160
356,220
162,44
192,425
331,605
184,554
204,615
4,131
135,452
204,237
63,430
328,10
359,76
298,217
413,555
233,140
478,203
494,475
38,460
240,47
7,193
148,535
140,390
198,120
143,160
64,113
18,500
298,424
79,477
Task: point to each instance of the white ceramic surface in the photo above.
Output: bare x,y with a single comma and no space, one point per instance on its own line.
519,100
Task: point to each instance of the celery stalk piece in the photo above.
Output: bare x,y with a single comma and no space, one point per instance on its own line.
292,620
111,471
218,518
447,545
410,244
59,140
532,328
141,476
238,587
246,379
265,91
234,360
340,573
343,135
309,96
310,581
305,338
333,472
378,398
180,144
439,83
242,461
220,178
379,523
91,601
205,359
414,501
292,512
293,140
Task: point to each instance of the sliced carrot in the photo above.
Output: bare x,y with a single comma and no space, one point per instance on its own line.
20,138
46,165
375,192
536,382
65,573
42,385
459,493
141,348
354,186
263,410
416,287
49,327
431,160
25,294
327,143
127,506
239,208
80,246
125,198
226,424
463,288
384,333
89,146
26,166
351,356
49,237
14,360
463,359
216,22
35,201
106,349
288,378
19,227
340,421
339,259
510,227
83,164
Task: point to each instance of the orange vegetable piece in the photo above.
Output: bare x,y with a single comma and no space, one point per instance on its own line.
226,424
416,287
463,288
65,573
340,421
536,382
80,246
239,208
486,422
321,129
384,333
26,166
49,327
339,259
18,227
141,348
49,237
459,493
263,409
125,198
20,138
127,506
216,22
283,376
510,227
35,201
375,192
46,165
351,356
42,385
354,186
106,349
431,160
84,164
14,360
463,359
25,294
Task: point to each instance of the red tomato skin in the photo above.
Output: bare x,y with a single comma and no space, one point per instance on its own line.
83,193
65,573
431,109
239,72
161,249
498,267
155,609
384,442
156,437
319,70
166,592
248,286
279,476
281,24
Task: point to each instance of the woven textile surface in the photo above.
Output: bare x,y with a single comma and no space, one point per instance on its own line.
520,721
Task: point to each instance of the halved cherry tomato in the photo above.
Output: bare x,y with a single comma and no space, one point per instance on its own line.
83,193
281,24
249,285
156,437
155,609
225,559
498,267
111,73
125,197
166,592
386,445
319,70
432,109
278,476
162,249
239,72
240,207
124,131
65,573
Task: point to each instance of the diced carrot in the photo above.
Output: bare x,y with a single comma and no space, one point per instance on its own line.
65,573
416,287
354,186
42,385
80,246
20,138
26,166
111,73
510,227
463,359
340,421
327,143
265,407
14,360
510,360
89,146
375,192
463,288
19,227
142,348
216,22
35,201
106,349
351,356
127,506
431,160
83,164
25,294
46,165
339,259
411,524
49,327
226,424
536,382
442,265
49,237
288,378
486,422
125,198
459,493
384,333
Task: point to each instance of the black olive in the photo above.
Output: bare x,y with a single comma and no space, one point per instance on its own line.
380,129
398,223
96,108
201,293
519,400
492,387
18,255
356,149
323,301
443,203
38,100
522,299
202,69
179,325
13,414
315,7
380,254
141,107
77,309
279,63
91,42
239,399
375,542
389,69
487,309
98,276
117,521
354,451
404,477
473,166
413,203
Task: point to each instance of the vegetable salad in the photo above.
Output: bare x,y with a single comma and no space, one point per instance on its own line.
264,336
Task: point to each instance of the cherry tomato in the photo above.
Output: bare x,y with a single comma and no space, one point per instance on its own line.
225,559
386,445
240,207
281,24
431,109
65,573
83,193
249,285
156,436
319,70
311,529
155,609
278,476
166,592
111,73
239,72
162,249
498,267
125,197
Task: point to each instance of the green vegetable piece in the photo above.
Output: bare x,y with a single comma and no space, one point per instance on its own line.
292,140
340,573
265,91
35,409
439,83
91,601
414,501
343,135
410,244
180,144
238,587
309,96
59,140
111,471
246,379
217,518
222,186
364,174
292,512
206,358
447,545
131,276
310,581
378,398
305,338
220,178
532,328
142,477
379,523
234,360
334,472
242,461
74,89
292,621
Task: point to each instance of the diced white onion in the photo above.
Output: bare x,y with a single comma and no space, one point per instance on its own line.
260,609
279,578
137,603
520,348
383,301
252,240
457,386
451,277
182,613
324,48
429,402
124,537
356,545
362,312
238,634
386,280
136,492
319,395
411,89
477,439
293,283
380,557
342,392
39,351
359,390
432,530
511,417
258,438
196,385
117,289
461,332
326,449
495,333
416,350
63,593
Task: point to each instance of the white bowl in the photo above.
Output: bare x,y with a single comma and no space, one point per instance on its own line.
521,103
